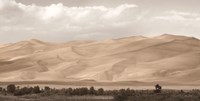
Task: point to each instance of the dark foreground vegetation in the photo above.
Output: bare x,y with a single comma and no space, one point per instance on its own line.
13,93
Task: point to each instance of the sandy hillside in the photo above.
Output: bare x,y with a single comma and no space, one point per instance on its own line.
165,58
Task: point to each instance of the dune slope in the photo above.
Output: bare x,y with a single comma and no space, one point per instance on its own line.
165,58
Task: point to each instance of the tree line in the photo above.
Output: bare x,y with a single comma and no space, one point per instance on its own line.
119,95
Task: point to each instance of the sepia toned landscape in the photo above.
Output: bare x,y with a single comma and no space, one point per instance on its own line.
99,50
123,69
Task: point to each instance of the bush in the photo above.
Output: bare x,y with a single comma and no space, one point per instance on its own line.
100,91
92,91
1,89
36,90
11,88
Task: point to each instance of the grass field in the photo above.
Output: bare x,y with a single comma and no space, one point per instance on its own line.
139,95
56,98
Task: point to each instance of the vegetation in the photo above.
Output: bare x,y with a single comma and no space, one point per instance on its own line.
11,88
158,88
13,93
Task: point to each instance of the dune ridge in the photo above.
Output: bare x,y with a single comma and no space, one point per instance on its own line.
166,58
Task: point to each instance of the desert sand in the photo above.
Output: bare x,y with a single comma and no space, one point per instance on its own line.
169,59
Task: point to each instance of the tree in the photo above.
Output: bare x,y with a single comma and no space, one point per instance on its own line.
128,92
11,88
4,91
47,89
36,89
18,92
158,88
83,91
26,90
100,91
92,91
1,89
122,95
69,91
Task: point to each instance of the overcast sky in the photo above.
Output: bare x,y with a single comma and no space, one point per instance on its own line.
64,20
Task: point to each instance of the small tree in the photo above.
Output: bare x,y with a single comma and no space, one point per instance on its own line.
26,90
1,89
158,88
4,91
18,92
69,91
36,89
92,91
46,88
100,91
11,88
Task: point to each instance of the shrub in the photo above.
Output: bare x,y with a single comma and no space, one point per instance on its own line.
100,91
36,89
92,91
11,88
1,89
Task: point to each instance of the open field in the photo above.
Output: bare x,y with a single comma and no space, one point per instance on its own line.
145,97
134,95
56,98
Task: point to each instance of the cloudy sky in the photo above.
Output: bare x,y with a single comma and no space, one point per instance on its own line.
64,20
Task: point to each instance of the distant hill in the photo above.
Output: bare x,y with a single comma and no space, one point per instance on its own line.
166,58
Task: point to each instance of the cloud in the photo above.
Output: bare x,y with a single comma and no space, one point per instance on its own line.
58,22
176,22
61,21
179,16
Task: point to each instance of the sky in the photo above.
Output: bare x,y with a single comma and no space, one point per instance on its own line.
65,20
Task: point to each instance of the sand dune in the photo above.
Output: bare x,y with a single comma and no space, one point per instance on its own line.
166,58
